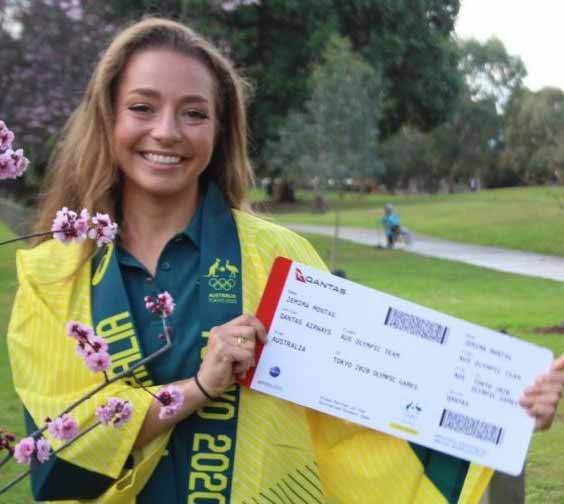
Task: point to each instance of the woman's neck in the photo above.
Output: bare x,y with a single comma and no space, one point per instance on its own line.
150,222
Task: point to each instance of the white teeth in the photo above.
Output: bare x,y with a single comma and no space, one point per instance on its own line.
161,159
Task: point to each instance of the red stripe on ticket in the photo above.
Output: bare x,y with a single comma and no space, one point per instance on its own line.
268,303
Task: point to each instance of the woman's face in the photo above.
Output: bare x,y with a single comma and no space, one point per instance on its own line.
165,123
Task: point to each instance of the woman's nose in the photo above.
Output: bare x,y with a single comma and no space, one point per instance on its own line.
166,128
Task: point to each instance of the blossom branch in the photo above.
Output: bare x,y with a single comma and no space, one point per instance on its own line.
140,384
25,237
5,459
116,412
21,476
128,373
69,226
38,433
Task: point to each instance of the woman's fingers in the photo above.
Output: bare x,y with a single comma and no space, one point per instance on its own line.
541,400
234,345
558,364
239,336
543,412
231,351
248,320
544,415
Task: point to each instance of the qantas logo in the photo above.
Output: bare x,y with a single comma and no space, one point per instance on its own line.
300,277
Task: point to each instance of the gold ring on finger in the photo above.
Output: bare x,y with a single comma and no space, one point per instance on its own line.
241,340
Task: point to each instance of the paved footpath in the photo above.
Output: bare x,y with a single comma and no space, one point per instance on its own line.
512,261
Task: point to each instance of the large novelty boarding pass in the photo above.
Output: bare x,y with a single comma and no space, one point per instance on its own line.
397,367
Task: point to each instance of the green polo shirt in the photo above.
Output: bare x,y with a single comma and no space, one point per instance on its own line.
178,273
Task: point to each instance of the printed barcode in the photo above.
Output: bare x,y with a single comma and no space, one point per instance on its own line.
417,326
471,427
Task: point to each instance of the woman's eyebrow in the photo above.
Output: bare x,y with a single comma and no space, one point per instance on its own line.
152,93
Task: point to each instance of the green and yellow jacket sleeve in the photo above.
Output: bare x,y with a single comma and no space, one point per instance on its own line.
49,375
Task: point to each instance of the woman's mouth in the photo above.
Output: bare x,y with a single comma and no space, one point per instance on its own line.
161,159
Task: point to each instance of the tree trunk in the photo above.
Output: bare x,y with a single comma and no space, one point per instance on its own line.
318,201
285,192
333,260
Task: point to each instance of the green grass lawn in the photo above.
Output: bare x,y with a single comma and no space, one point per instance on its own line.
493,299
529,218
11,413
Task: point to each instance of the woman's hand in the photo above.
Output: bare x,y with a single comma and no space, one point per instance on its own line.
230,353
541,400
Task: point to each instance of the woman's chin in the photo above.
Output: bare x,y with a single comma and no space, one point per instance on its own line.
156,188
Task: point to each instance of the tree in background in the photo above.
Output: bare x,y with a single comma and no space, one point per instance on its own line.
277,43
407,157
490,71
465,145
410,42
534,135
425,83
336,138
49,47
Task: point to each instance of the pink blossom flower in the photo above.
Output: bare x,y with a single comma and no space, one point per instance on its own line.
104,414
98,344
98,361
20,162
12,164
103,230
82,223
115,411
92,348
6,137
68,225
171,399
6,440
43,450
7,168
83,350
24,450
162,304
7,435
124,415
63,427
80,332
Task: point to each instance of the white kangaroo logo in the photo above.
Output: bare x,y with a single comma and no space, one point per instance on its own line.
233,270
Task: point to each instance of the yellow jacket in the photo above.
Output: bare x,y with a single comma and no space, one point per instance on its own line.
277,442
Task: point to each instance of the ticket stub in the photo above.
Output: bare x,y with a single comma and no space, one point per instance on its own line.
392,365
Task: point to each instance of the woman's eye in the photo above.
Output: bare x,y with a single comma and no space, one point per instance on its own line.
139,108
195,114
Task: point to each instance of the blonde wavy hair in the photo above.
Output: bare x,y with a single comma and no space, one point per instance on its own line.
83,172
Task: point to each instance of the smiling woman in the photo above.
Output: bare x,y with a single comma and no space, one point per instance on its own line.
163,140
159,143
165,126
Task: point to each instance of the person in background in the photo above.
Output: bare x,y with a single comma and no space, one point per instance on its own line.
391,223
